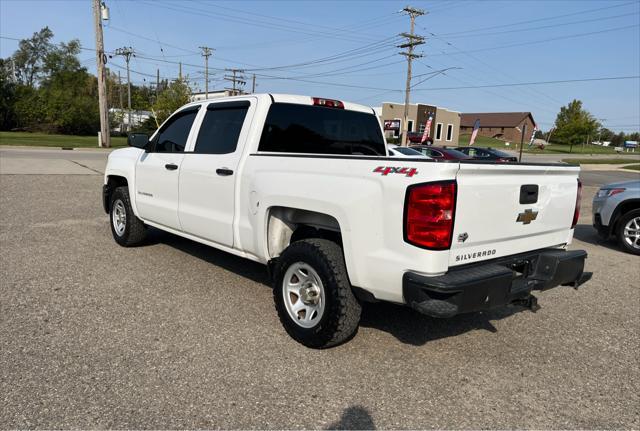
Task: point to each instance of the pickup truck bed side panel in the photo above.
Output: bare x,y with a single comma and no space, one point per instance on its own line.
367,205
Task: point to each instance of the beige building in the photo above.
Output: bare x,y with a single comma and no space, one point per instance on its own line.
445,124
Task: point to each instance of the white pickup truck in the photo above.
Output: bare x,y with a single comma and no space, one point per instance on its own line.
306,186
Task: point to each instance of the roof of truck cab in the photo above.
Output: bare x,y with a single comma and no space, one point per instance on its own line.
285,98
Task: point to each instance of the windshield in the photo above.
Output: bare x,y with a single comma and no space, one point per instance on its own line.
295,128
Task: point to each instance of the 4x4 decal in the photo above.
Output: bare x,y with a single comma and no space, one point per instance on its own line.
386,170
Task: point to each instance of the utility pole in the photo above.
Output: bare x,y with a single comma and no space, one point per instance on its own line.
206,53
253,85
105,138
127,53
412,40
180,71
237,79
121,102
524,130
157,82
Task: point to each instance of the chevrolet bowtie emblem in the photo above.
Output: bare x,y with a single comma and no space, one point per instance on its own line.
527,216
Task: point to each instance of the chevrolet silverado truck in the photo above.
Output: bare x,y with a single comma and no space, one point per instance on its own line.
306,186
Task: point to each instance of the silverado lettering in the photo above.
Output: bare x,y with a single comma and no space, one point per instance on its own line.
474,255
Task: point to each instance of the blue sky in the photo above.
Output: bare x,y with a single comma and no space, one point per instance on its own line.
492,42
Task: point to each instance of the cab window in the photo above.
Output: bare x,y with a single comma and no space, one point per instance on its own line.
221,128
172,138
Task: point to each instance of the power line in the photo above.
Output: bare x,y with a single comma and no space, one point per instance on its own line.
547,18
226,17
518,30
545,40
515,84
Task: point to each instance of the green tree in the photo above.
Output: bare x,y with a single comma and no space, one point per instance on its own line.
573,124
30,57
8,97
174,96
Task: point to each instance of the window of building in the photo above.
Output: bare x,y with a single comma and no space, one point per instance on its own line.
410,125
293,128
438,131
449,132
221,128
422,127
172,138
396,132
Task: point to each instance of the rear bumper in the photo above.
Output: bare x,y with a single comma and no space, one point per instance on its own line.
493,284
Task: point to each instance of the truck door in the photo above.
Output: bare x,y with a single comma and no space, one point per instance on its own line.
157,171
209,173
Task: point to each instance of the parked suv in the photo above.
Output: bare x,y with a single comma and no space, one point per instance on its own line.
616,212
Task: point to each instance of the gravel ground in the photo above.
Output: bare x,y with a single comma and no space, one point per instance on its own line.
177,335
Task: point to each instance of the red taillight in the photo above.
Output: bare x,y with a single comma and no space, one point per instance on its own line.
329,103
576,211
428,216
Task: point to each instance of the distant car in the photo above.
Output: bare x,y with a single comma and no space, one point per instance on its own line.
487,154
439,153
416,138
616,213
398,151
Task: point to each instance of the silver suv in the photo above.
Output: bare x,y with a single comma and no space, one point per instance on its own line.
616,212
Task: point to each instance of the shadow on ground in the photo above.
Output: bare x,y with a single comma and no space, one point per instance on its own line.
354,418
587,233
405,324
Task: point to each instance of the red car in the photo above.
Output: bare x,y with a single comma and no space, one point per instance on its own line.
416,138
439,153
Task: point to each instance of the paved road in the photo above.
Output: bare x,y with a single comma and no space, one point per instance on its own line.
177,335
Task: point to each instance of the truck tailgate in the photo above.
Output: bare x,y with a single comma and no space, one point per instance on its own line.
490,220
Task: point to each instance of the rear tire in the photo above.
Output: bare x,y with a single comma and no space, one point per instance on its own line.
127,229
628,231
313,295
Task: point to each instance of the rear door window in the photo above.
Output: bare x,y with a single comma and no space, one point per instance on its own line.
221,128
294,128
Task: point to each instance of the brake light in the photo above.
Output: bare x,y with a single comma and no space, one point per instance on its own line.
429,213
576,211
329,103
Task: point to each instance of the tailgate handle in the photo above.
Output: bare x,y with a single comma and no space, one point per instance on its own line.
529,194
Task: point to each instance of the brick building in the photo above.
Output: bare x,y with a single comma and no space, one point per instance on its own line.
506,126
445,124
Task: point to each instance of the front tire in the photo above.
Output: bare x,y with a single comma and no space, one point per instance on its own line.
127,229
628,231
313,295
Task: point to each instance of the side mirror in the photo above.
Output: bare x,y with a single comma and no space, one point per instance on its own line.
138,140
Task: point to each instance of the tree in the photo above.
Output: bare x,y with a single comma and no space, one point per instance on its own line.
30,56
573,124
8,97
174,96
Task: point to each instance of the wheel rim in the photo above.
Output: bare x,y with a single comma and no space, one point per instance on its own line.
119,217
303,295
632,232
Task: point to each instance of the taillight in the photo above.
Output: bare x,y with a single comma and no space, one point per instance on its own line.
576,211
428,215
329,103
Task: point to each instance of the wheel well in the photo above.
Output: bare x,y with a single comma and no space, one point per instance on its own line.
622,209
113,182
287,225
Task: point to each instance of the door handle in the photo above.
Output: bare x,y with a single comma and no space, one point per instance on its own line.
224,172
170,167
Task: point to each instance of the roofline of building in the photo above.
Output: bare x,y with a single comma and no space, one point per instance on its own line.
416,104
